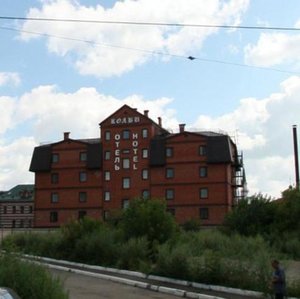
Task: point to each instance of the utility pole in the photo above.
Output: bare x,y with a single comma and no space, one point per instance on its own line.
296,155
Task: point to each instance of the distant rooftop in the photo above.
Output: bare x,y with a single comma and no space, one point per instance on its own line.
24,192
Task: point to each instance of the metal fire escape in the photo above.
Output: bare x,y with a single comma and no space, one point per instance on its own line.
239,182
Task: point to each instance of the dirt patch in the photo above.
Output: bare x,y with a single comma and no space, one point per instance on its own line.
293,270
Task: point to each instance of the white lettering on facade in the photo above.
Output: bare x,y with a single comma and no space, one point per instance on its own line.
125,120
134,145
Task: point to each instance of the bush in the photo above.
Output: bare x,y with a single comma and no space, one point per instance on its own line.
134,255
100,247
30,281
172,261
192,225
148,218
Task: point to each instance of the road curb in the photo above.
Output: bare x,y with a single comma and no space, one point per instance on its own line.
135,274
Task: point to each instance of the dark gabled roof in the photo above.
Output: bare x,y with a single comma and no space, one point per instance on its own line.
41,158
94,156
219,149
90,140
158,151
24,192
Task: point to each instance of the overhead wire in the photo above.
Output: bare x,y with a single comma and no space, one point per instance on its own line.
136,23
149,52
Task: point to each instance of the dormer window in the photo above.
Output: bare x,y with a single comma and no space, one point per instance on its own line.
55,158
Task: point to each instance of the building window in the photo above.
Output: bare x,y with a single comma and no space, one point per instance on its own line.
54,197
169,173
107,155
145,174
82,176
22,209
13,223
107,175
126,183
202,150
169,152
145,194
30,210
107,135
83,156
125,203
4,210
107,196
126,163
126,134
82,196
203,193
81,214
204,213
203,172
145,133
53,216
145,153
55,158
170,194
54,178
14,209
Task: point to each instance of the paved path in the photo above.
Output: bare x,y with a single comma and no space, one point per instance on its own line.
85,287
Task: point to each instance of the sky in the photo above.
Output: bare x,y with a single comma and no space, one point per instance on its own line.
60,77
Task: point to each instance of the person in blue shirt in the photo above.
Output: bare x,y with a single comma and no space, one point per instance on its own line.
278,280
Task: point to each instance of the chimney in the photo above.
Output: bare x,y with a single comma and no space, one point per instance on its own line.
146,112
66,135
159,121
181,128
296,155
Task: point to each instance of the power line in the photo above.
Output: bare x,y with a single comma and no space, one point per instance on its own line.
150,23
149,52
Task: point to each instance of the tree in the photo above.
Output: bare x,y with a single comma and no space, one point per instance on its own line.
288,215
251,216
148,218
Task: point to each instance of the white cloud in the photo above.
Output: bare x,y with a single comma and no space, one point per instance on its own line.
264,129
274,49
9,78
7,109
52,112
105,61
15,161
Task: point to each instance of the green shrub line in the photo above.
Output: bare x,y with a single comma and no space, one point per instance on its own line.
145,238
206,256
29,280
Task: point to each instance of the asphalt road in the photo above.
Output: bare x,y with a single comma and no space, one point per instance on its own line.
85,287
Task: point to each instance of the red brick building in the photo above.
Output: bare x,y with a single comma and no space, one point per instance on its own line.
199,174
